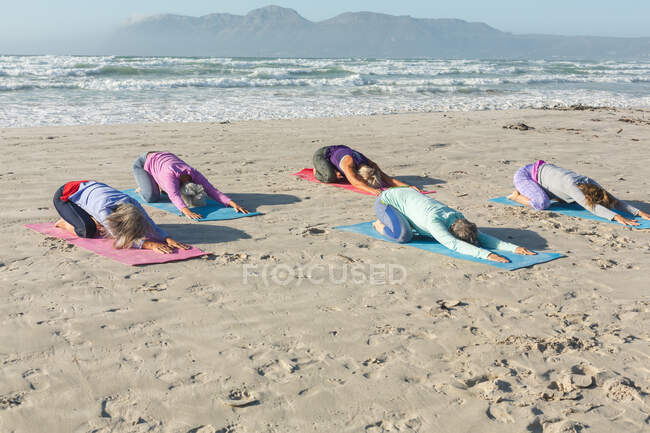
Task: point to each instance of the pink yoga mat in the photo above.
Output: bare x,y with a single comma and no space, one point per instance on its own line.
104,247
308,174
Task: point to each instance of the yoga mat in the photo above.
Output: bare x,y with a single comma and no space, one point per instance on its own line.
429,244
308,174
213,211
104,247
575,210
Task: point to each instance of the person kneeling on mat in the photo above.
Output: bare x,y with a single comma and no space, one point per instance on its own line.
92,209
186,187
538,183
400,210
335,163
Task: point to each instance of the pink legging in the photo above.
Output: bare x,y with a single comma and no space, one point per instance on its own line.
526,186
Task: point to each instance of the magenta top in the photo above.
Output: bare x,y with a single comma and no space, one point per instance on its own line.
166,168
535,169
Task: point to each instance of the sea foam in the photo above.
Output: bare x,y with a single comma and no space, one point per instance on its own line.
64,90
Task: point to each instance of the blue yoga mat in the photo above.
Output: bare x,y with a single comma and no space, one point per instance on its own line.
575,210
429,244
213,211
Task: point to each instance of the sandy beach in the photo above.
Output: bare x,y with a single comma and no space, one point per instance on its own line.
243,341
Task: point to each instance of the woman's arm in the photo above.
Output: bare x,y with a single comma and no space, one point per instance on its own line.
493,243
214,193
626,207
442,235
388,180
350,173
210,190
598,210
172,187
578,196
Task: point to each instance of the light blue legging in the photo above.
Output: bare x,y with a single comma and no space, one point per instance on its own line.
149,189
397,227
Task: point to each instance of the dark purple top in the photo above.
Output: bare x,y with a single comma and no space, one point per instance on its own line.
337,153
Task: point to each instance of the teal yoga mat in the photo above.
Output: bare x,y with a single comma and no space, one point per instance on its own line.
575,210
429,244
213,211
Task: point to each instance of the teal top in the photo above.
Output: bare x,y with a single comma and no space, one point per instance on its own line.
429,217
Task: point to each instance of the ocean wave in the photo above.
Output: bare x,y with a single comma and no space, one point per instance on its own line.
37,90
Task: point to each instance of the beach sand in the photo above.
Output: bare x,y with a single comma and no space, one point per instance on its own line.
226,343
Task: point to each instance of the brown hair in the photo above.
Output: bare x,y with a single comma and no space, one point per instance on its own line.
594,195
465,231
127,223
370,175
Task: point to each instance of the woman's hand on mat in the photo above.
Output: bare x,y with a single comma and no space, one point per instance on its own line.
497,258
238,208
175,244
644,215
415,188
157,247
193,215
625,221
524,251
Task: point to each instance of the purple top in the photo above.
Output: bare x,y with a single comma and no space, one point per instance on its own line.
337,153
166,168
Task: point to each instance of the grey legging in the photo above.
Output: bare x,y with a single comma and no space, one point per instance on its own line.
324,170
149,189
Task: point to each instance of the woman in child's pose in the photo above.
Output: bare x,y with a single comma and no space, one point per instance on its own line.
91,209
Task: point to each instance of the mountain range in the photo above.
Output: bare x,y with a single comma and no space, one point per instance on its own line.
275,31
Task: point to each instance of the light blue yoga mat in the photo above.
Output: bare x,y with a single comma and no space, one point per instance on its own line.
429,244
575,210
213,211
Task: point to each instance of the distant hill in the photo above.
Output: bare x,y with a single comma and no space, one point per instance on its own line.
274,31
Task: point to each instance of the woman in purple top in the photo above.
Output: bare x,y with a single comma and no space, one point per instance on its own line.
335,163
157,172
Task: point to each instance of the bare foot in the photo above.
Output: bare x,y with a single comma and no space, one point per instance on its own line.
63,224
379,226
513,196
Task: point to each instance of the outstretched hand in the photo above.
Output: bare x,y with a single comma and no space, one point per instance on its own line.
191,214
525,252
175,244
157,247
497,258
238,208
625,221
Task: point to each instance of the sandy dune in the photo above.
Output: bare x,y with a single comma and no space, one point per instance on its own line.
226,343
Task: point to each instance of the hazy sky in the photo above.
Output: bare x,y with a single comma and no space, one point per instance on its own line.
37,25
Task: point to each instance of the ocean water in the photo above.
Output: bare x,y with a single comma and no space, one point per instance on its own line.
71,90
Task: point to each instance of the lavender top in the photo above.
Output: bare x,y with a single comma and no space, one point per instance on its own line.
99,200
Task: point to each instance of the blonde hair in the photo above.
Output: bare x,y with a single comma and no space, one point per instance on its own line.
193,195
127,224
594,195
465,231
370,175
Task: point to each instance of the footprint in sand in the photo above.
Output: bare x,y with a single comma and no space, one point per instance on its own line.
8,401
239,398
